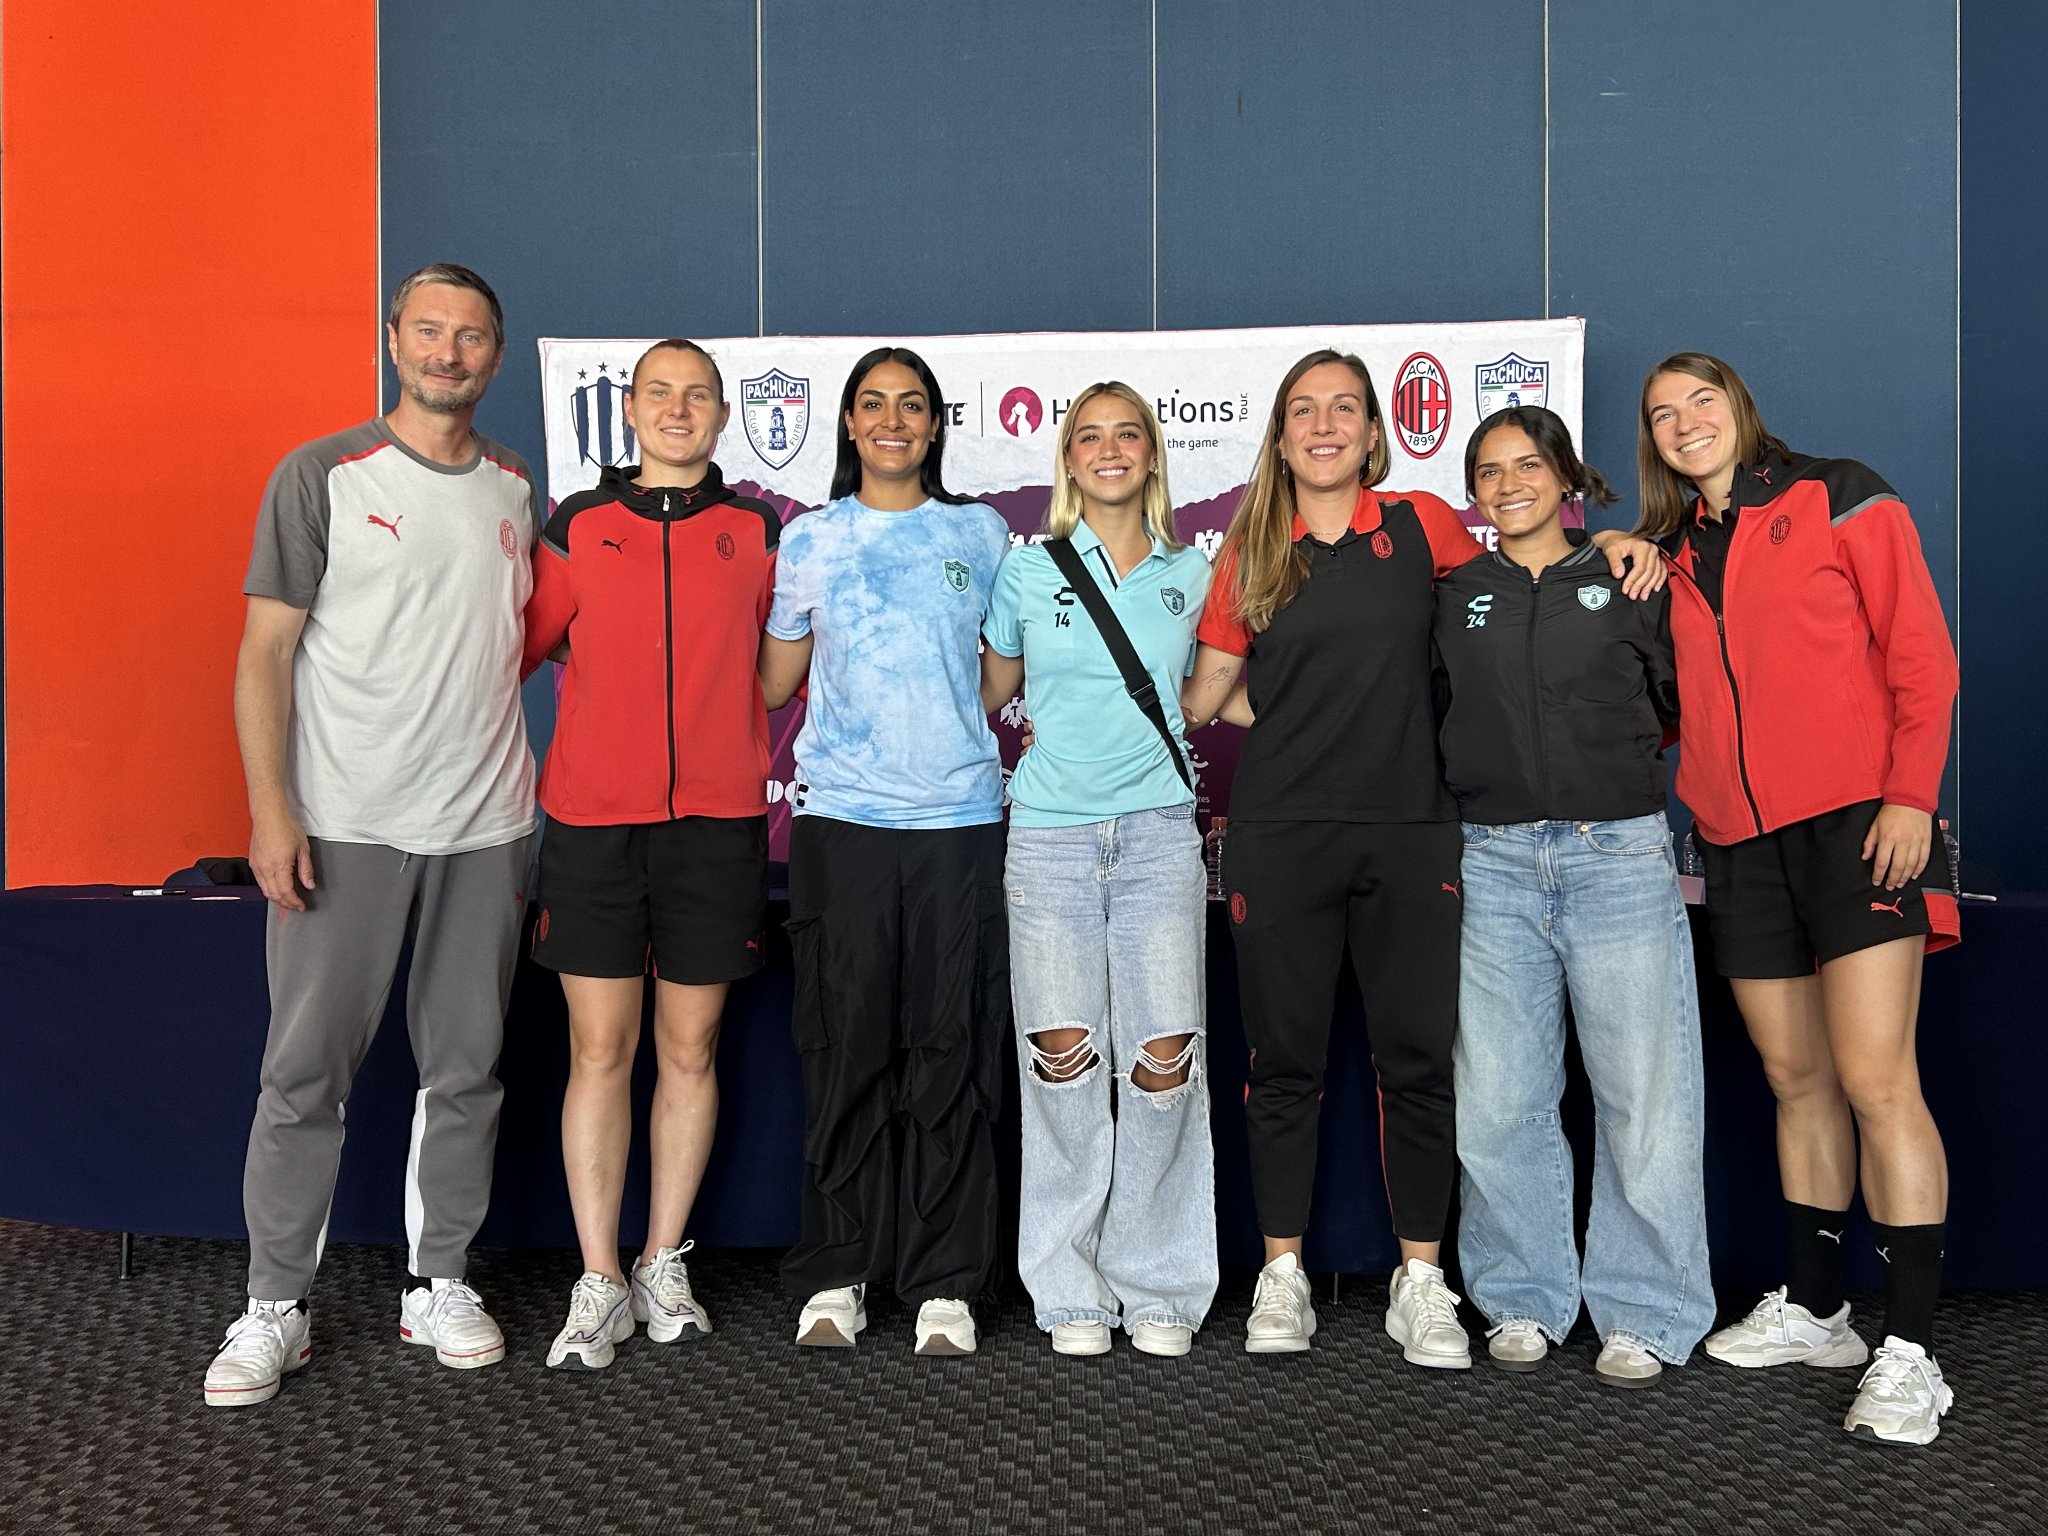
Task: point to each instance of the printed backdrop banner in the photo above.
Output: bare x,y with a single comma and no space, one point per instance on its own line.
1006,395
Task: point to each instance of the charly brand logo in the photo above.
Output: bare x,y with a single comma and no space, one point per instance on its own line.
956,575
597,413
508,540
1593,599
1514,380
1422,405
775,410
1021,411
1781,528
1176,600
1477,610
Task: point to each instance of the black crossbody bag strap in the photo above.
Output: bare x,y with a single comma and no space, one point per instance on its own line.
1136,682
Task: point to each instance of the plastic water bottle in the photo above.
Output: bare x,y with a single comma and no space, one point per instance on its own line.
1955,858
1689,862
1212,854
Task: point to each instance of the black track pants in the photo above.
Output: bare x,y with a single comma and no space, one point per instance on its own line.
1298,892
902,1021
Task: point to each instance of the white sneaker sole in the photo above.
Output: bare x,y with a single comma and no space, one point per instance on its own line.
1517,1364
941,1345
1833,1355
1279,1343
1432,1359
1868,1434
592,1354
261,1392
669,1328
824,1333
1168,1351
1094,1344
466,1360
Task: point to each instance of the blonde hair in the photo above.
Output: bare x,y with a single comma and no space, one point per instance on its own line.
1665,491
1270,570
1063,513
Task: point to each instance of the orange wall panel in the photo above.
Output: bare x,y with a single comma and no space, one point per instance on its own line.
189,277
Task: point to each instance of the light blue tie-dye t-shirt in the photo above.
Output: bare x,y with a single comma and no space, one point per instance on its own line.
894,735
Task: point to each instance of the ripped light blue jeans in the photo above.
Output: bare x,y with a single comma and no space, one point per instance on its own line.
1118,1220
1589,908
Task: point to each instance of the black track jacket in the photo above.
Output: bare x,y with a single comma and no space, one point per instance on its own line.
1554,694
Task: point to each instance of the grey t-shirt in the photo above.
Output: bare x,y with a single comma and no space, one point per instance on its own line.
406,728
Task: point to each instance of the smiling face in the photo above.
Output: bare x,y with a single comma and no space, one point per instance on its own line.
674,409
891,423
1516,488
445,348
1325,433
1693,426
1110,454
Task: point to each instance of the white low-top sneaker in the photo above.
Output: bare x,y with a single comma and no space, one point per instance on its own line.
1422,1317
1625,1363
1169,1340
1282,1320
946,1327
1517,1344
449,1317
833,1319
264,1345
600,1317
1901,1398
663,1301
1781,1332
1087,1337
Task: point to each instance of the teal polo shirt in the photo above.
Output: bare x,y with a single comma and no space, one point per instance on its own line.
1096,755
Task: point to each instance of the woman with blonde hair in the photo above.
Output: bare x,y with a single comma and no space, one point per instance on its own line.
1818,678
1106,892
1341,830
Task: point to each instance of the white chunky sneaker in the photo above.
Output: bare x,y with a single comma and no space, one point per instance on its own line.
946,1327
267,1342
1282,1320
832,1319
1166,1339
1901,1398
450,1318
1781,1332
600,1316
1517,1344
662,1298
1088,1337
1625,1363
1422,1317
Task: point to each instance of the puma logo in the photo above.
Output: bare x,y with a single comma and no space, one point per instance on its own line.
618,544
392,525
753,946
1446,885
1835,1237
1889,906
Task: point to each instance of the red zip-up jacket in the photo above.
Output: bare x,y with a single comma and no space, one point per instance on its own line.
661,594
1828,676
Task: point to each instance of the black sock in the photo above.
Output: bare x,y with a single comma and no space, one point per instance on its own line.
415,1283
1912,1279
1814,1239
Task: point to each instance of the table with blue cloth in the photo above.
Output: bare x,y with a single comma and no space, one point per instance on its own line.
132,1026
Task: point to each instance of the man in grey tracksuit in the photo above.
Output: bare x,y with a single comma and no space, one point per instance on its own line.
391,795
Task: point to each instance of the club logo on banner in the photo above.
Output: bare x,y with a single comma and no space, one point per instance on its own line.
1422,405
1021,411
598,414
775,411
1514,380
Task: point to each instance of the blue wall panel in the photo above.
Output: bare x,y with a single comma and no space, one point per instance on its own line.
966,167
1326,160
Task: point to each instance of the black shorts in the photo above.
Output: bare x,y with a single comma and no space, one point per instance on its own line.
1785,903
688,896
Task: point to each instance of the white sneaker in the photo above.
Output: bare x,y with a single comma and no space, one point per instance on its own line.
1170,1340
662,1298
1781,1332
1422,1317
1282,1320
1901,1398
1625,1363
832,1319
1088,1337
1517,1344
946,1327
264,1344
448,1316
600,1316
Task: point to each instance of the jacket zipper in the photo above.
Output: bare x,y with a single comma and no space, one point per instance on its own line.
1728,664
1535,708
668,647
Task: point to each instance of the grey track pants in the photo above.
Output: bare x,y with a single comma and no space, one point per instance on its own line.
331,970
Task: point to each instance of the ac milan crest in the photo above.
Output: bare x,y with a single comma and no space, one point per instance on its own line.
1422,405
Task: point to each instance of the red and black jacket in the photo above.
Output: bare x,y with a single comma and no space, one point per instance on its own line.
1825,675
661,594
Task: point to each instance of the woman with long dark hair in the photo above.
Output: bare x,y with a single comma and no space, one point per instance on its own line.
1557,696
1341,831
1107,897
1818,678
895,870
